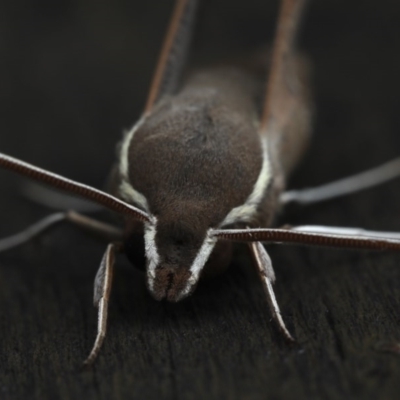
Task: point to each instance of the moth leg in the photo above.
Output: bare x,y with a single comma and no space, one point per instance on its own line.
345,186
102,291
267,274
56,200
97,227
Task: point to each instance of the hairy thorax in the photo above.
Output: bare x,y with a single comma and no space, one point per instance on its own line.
194,163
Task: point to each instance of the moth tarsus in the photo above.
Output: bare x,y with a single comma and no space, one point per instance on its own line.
102,291
184,184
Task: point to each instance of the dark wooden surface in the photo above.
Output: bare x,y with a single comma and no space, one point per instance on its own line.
73,75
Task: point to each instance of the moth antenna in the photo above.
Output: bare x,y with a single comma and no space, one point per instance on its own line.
173,53
68,185
366,240
279,91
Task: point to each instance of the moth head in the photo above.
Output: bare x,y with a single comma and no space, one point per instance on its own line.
176,255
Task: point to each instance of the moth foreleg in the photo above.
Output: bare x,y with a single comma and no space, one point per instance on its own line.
345,186
97,227
266,271
56,200
102,291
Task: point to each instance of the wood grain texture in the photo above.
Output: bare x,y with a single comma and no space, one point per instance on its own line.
69,72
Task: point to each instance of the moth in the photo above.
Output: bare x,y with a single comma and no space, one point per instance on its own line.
206,166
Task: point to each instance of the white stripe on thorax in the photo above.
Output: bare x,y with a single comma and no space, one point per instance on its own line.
246,211
126,189
153,258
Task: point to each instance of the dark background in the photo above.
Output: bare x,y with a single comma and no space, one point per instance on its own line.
73,76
